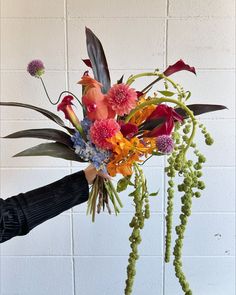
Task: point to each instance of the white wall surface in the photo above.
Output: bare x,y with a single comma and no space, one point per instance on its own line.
69,255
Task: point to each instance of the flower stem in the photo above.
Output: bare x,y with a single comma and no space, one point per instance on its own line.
59,98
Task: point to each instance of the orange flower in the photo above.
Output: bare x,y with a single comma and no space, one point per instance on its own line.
94,100
126,152
141,115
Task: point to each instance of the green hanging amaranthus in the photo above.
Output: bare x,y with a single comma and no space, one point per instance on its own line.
188,171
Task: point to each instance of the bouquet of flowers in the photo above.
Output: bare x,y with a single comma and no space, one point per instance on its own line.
122,128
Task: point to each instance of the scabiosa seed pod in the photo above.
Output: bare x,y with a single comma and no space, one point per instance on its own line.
36,68
165,144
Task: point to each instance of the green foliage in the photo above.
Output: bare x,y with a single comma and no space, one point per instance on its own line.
167,93
123,184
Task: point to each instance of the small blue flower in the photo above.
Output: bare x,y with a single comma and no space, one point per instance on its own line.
78,140
89,152
86,124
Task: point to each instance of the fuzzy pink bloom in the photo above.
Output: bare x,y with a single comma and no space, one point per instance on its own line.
165,144
121,98
101,130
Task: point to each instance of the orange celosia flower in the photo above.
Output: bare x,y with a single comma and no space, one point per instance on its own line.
126,152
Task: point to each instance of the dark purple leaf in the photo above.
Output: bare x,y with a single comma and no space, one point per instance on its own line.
53,149
98,60
151,124
199,109
44,112
180,65
47,133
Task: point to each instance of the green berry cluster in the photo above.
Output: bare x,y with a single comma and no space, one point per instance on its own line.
142,212
208,139
190,186
189,172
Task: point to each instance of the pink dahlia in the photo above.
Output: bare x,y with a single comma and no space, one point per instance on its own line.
121,98
101,130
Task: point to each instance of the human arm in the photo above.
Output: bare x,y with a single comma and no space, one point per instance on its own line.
21,213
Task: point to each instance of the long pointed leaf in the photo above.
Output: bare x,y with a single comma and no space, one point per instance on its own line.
44,112
98,60
199,109
46,133
53,149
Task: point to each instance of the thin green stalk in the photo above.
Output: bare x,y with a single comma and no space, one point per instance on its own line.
59,98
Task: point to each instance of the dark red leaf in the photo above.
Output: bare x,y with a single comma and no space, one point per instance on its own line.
87,62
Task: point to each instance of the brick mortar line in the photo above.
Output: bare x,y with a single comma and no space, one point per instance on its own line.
200,17
114,256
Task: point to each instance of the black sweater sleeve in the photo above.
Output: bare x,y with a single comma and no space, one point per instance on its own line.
19,214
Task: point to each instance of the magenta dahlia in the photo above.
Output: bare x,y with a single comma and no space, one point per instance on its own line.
101,130
122,98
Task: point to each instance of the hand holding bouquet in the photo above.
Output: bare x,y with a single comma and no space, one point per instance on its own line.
122,128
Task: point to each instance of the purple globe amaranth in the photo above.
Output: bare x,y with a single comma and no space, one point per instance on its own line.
36,68
165,144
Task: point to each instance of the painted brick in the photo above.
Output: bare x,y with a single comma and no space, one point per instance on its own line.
29,8
189,40
27,39
116,229
111,272
214,230
191,8
112,8
206,275
36,275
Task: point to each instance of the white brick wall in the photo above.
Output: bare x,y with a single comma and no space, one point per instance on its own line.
68,255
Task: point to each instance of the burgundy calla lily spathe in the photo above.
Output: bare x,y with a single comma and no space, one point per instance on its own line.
66,107
180,65
169,115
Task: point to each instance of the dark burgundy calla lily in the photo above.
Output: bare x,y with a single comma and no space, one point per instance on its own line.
168,116
66,107
180,65
128,129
